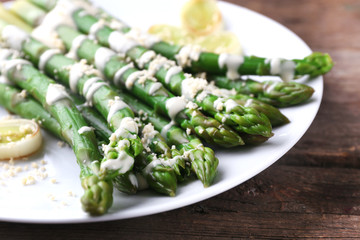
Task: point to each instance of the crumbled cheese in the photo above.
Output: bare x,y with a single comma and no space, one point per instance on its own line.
190,87
187,54
34,165
29,180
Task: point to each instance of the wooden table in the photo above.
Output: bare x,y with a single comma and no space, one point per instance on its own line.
311,192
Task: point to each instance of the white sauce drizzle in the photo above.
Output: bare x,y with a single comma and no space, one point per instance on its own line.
9,64
59,15
175,105
115,106
160,161
77,70
119,73
88,83
133,77
232,63
154,87
55,92
142,182
166,128
284,68
75,45
85,129
269,87
128,128
248,102
171,72
14,37
119,42
6,53
96,27
46,56
102,56
123,162
92,90
145,58
133,179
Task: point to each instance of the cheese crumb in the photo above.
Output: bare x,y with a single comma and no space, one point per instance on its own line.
29,180
34,165
51,197
53,180
61,144
71,194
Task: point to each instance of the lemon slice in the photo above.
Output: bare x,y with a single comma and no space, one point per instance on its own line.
171,34
19,138
201,17
221,42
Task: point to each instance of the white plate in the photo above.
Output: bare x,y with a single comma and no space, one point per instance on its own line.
45,202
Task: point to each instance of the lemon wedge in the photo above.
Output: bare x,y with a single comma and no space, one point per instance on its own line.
19,138
201,17
221,42
171,34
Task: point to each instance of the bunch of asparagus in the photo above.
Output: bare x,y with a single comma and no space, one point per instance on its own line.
144,125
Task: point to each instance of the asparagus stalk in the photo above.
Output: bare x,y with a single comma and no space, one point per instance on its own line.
208,128
18,102
152,92
278,94
98,193
85,80
202,159
157,164
232,65
241,118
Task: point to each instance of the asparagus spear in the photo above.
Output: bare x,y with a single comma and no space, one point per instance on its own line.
278,94
209,129
32,47
157,164
243,119
232,65
202,159
84,79
246,120
18,102
98,193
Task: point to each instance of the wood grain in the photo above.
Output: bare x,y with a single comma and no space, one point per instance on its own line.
311,192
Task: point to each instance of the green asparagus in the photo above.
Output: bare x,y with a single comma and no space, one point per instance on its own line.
157,164
278,94
18,102
98,193
241,118
202,159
